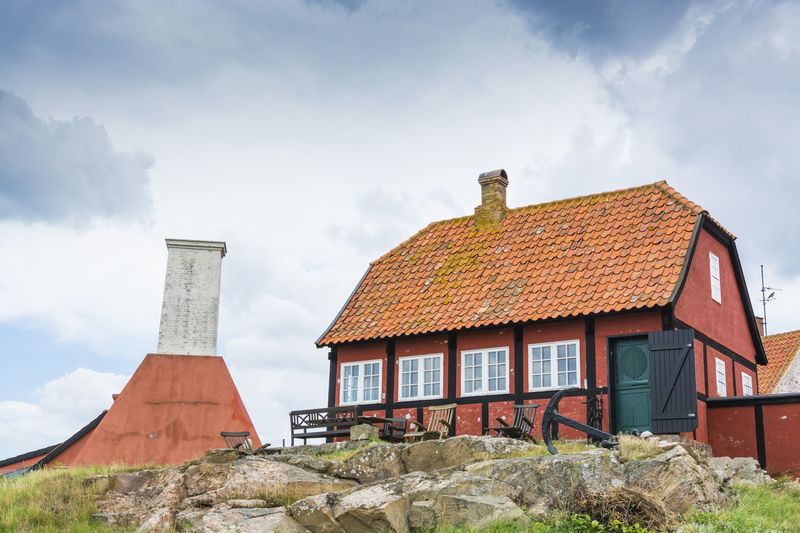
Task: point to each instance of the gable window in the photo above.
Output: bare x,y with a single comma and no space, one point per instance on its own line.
747,384
553,365
716,287
722,387
484,371
361,382
421,377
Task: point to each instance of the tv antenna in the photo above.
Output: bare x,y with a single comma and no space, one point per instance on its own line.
767,295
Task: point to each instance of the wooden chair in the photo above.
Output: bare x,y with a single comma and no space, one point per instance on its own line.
521,427
438,428
238,440
395,430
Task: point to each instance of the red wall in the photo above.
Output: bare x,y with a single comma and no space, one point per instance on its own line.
566,330
486,338
727,322
425,345
608,326
782,438
21,464
732,431
361,352
469,418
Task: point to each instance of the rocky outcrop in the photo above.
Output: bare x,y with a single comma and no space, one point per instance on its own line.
458,481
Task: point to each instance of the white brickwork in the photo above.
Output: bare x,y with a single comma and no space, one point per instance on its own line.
190,310
790,382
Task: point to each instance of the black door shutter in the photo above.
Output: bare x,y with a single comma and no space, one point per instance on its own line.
673,389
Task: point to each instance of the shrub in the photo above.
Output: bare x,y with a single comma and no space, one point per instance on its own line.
636,449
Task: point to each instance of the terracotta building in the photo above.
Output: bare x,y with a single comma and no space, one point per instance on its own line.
782,374
635,296
177,401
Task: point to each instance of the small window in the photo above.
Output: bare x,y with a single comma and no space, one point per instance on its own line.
747,384
716,287
547,373
722,387
421,377
484,371
361,382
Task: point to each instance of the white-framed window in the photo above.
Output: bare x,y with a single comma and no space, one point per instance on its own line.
716,286
484,371
747,384
360,382
722,387
554,365
421,377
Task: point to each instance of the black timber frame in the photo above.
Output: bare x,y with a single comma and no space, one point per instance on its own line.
58,450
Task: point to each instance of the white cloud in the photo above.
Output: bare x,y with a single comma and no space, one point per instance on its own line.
65,170
64,405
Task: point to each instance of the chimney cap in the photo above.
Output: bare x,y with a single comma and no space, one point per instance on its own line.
493,175
198,245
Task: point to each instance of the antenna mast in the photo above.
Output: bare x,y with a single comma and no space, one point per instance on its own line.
764,301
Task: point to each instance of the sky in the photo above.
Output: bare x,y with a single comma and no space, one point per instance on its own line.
313,136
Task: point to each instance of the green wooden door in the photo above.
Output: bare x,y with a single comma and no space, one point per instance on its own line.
631,387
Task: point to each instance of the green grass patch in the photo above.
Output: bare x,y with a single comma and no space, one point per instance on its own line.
54,500
757,509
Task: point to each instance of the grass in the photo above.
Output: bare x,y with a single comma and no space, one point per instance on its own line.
636,449
53,500
758,509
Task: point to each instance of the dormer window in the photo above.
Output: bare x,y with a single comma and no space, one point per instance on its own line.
716,287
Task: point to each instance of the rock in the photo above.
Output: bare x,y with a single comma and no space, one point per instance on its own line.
316,514
226,520
646,434
254,477
307,462
431,455
375,508
364,432
460,482
129,482
736,470
372,464
678,480
222,455
474,511
547,482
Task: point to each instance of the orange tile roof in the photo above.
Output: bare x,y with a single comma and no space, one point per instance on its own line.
614,251
781,349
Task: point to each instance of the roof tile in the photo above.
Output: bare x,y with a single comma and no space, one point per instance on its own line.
606,252
781,349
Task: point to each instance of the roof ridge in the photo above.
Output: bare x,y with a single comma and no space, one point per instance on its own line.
661,184
794,331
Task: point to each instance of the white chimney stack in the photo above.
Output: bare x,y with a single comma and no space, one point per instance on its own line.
190,310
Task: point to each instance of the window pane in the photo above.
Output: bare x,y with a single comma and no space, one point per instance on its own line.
571,363
573,378
562,365
562,350
572,349
537,381
546,380
562,379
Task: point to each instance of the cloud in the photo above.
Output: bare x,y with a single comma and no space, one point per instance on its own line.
63,406
603,29
66,170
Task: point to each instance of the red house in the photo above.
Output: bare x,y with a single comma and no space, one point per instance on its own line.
635,296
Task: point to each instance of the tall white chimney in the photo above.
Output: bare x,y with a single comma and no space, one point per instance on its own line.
190,310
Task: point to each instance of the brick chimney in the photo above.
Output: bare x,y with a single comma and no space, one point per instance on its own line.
190,309
493,197
760,325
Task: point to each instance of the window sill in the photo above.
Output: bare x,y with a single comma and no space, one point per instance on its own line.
419,399
481,393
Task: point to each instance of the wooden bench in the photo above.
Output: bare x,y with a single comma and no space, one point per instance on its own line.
521,427
323,423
